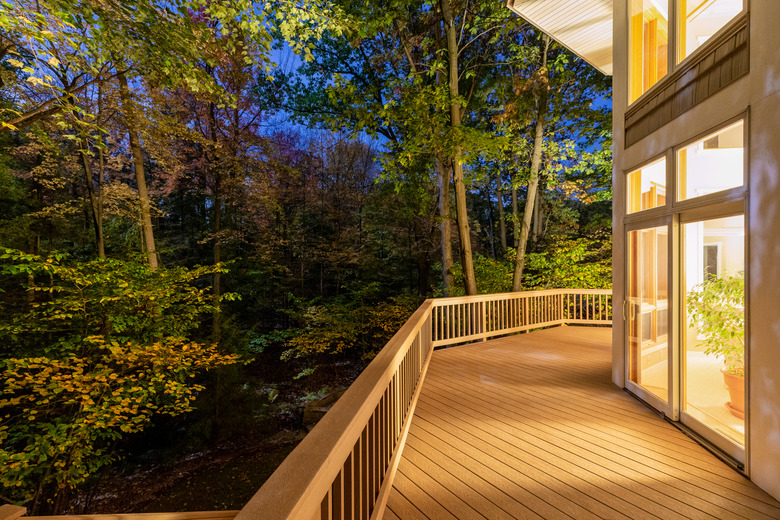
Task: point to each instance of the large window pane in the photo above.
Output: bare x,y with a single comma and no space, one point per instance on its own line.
648,44
700,19
715,163
648,320
714,339
647,187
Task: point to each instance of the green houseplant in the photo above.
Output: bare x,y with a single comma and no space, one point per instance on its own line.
716,309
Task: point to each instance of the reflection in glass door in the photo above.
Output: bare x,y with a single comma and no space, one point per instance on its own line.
648,310
713,389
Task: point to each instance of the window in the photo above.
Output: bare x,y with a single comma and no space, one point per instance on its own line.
648,300
649,43
700,19
650,30
647,187
713,164
713,342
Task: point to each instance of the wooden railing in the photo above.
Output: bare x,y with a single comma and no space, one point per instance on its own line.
8,512
342,470
471,318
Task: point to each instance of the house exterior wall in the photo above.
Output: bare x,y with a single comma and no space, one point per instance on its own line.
756,96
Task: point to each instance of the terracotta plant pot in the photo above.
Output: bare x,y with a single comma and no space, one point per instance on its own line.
736,387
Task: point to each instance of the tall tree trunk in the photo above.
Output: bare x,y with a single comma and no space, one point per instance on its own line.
501,215
445,226
423,258
143,193
464,231
536,162
94,203
217,287
515,217
217,209
492,221
538,218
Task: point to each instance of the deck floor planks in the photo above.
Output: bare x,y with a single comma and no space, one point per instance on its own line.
655,439
534,421
588,482
575,460
466,482
616,450
588,437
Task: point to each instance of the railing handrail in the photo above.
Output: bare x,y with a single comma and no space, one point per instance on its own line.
438,302
363,433
306,475
463,319
319,475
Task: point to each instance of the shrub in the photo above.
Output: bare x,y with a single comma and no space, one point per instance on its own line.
99,349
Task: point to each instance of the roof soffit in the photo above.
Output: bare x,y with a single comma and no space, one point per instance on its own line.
583,26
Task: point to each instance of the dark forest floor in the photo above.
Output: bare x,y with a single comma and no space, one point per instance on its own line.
163,472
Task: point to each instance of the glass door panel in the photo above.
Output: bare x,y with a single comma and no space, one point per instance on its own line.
713,385
648,317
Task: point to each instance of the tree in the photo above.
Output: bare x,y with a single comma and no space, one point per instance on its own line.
411,92
536,161
104,353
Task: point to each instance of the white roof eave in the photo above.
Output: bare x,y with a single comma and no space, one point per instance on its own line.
582,26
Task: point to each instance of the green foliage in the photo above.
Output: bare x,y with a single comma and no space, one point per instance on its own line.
567,262
716,309
570,263
348,327
99,349
493,275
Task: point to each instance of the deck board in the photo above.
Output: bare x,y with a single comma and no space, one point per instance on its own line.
530,426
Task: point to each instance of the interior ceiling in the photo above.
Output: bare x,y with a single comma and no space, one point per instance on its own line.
584,26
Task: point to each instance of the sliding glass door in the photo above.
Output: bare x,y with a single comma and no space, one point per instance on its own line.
713,337
648,314
685,286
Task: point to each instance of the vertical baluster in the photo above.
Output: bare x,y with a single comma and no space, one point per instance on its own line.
386,431
461,320
356,463
470,320
511,313
364,475
451,314
346,470
337,500
506,314
435,318
325,507
371,469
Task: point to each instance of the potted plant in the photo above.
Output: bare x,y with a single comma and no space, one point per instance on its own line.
716,309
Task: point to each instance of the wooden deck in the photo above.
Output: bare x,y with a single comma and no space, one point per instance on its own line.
530,426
